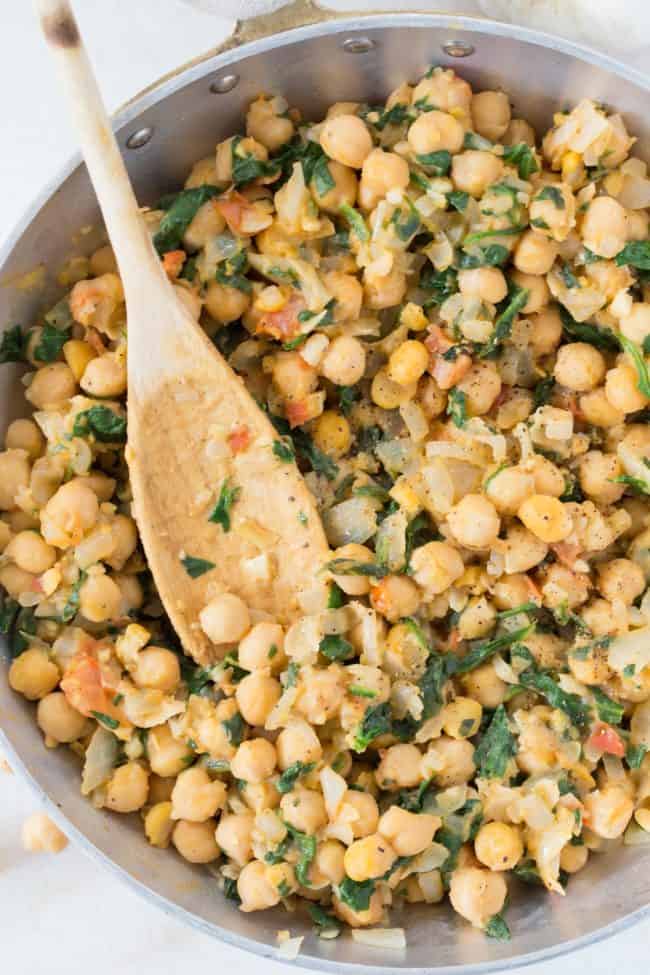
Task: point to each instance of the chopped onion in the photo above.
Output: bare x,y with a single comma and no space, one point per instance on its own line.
430,859
630,649
302,639
99,760
334,788
390,540
354,520
148,707
392,938
635,835
289,948
95,547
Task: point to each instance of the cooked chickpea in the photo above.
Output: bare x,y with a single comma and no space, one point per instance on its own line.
477,894
263,647
388,394
14,476
58,720
621,388
604,227
104,376
436,566
266,125
293,377
548,478
321,695
332,433
224,303
254,761
344,362
157,667
485,686
384,290
298,742
435,131
621,579
395,597
127,789
522,551
519,131
573,858
449,760
474,521
409,833
486,283
634,326
125,540
399,768
382,171
346,139
553,211
353,585
481,386
344,189
473,170
196,797
538,291
225,619
51,386
462,718
256,889
608,811
499,846
408,362
15,580
360,919
348,294
158,824
546,518
99,598
30,552
580,366
234,836
546,331
206,223
444,90
40,835
327,867
507,489
69,514
367,812
368,858
535,253
167,755
33,674
491,114
304,809
597,410
25,435
598,473
256,695
195,841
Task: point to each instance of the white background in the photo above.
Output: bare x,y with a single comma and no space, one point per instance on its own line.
64,913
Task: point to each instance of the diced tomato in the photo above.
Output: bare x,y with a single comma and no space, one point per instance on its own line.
446,372
297,411
535,593
283,324
567,552
437,341
83,687
606,739
239,439
173,263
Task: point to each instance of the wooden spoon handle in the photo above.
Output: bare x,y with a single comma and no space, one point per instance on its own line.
126,229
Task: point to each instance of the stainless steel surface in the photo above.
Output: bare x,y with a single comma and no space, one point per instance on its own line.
310,67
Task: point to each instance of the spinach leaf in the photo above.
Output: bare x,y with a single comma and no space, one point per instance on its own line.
234,728
321,176
283,450
227,497
484,651
247,167
51,341
179,215
376,721
497,929
196,567
349,567
568,277
634,755
323,921
307,849
335,647
473,140
413,800
71,607
407,228
13,345
636,355
636,253
552,193
230,891
457,407
319,461
291,775
602,338
543,391
609,711
484,234
494,255
356,894
438,162
503,324
106,720
543,683
523,157
348,395
496,747
102,423
356,221
458,199
442,284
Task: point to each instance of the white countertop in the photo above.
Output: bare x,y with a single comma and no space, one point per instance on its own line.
64,914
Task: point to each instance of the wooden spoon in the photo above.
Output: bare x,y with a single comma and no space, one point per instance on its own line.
183,402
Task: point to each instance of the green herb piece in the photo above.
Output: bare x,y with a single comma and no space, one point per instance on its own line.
356,690
279,853
349,567
497,929
396,115
8,614
336,597
588,257
568,277
283,450
503,325
321,176
190,269
543,391
196,567
457,407
292,674
197,678
375,491
634,755
527,872
13,345
247,167
629,671
438,162
230,891
59,316
442,284
539,224
231,272
473,140
356,894
483,234
458,828
413,800
18,623
181,211
106,720
458,199
636,253
407,228
324,922
523,157
636,355
488,480
308,451
553,194
611,712
494,255
102,423
376,721
71,607
51,342
228,495
348,395
543,683
602,338
356,221
638,485
484,651
234,728
496,747
335,647
307,849
291,775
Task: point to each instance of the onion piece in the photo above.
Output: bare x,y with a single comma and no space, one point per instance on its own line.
99,761
392,938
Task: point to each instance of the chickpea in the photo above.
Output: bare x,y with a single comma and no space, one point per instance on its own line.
435,131
399,768
481,386
225,619
58,720
224,303
485,686
344,189
360,919
474,521
535,253
635,326
450,760
347,291
486,283
157,667
125,537
69,514
388,394
608,811
304,809
298,742
548,478
25,435
263,647
256,889
203,171
206,223
491,114
344,362
332,433
368,858
104,376
104,487
30,552
573,858
254,761
51,386
546,518
196,797
580,366
395,597
384,290
621,388
508,489
321,696
167,755
195,841
33,674
40,835
436,566
257,694
477,894
431,398
474,170
409,833
604,227
327,866
598,411
538,291
546,331
353,585
159,825
598,472
499,846
346,139
444,90
234,836
621,579
292,376
594,668
266,126
408,362
553,210
15,580
99,598
519,131
14,476
127,789
365,805
382,171
462,718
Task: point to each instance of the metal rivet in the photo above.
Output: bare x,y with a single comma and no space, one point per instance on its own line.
139,138
458,49
224,84
357,45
